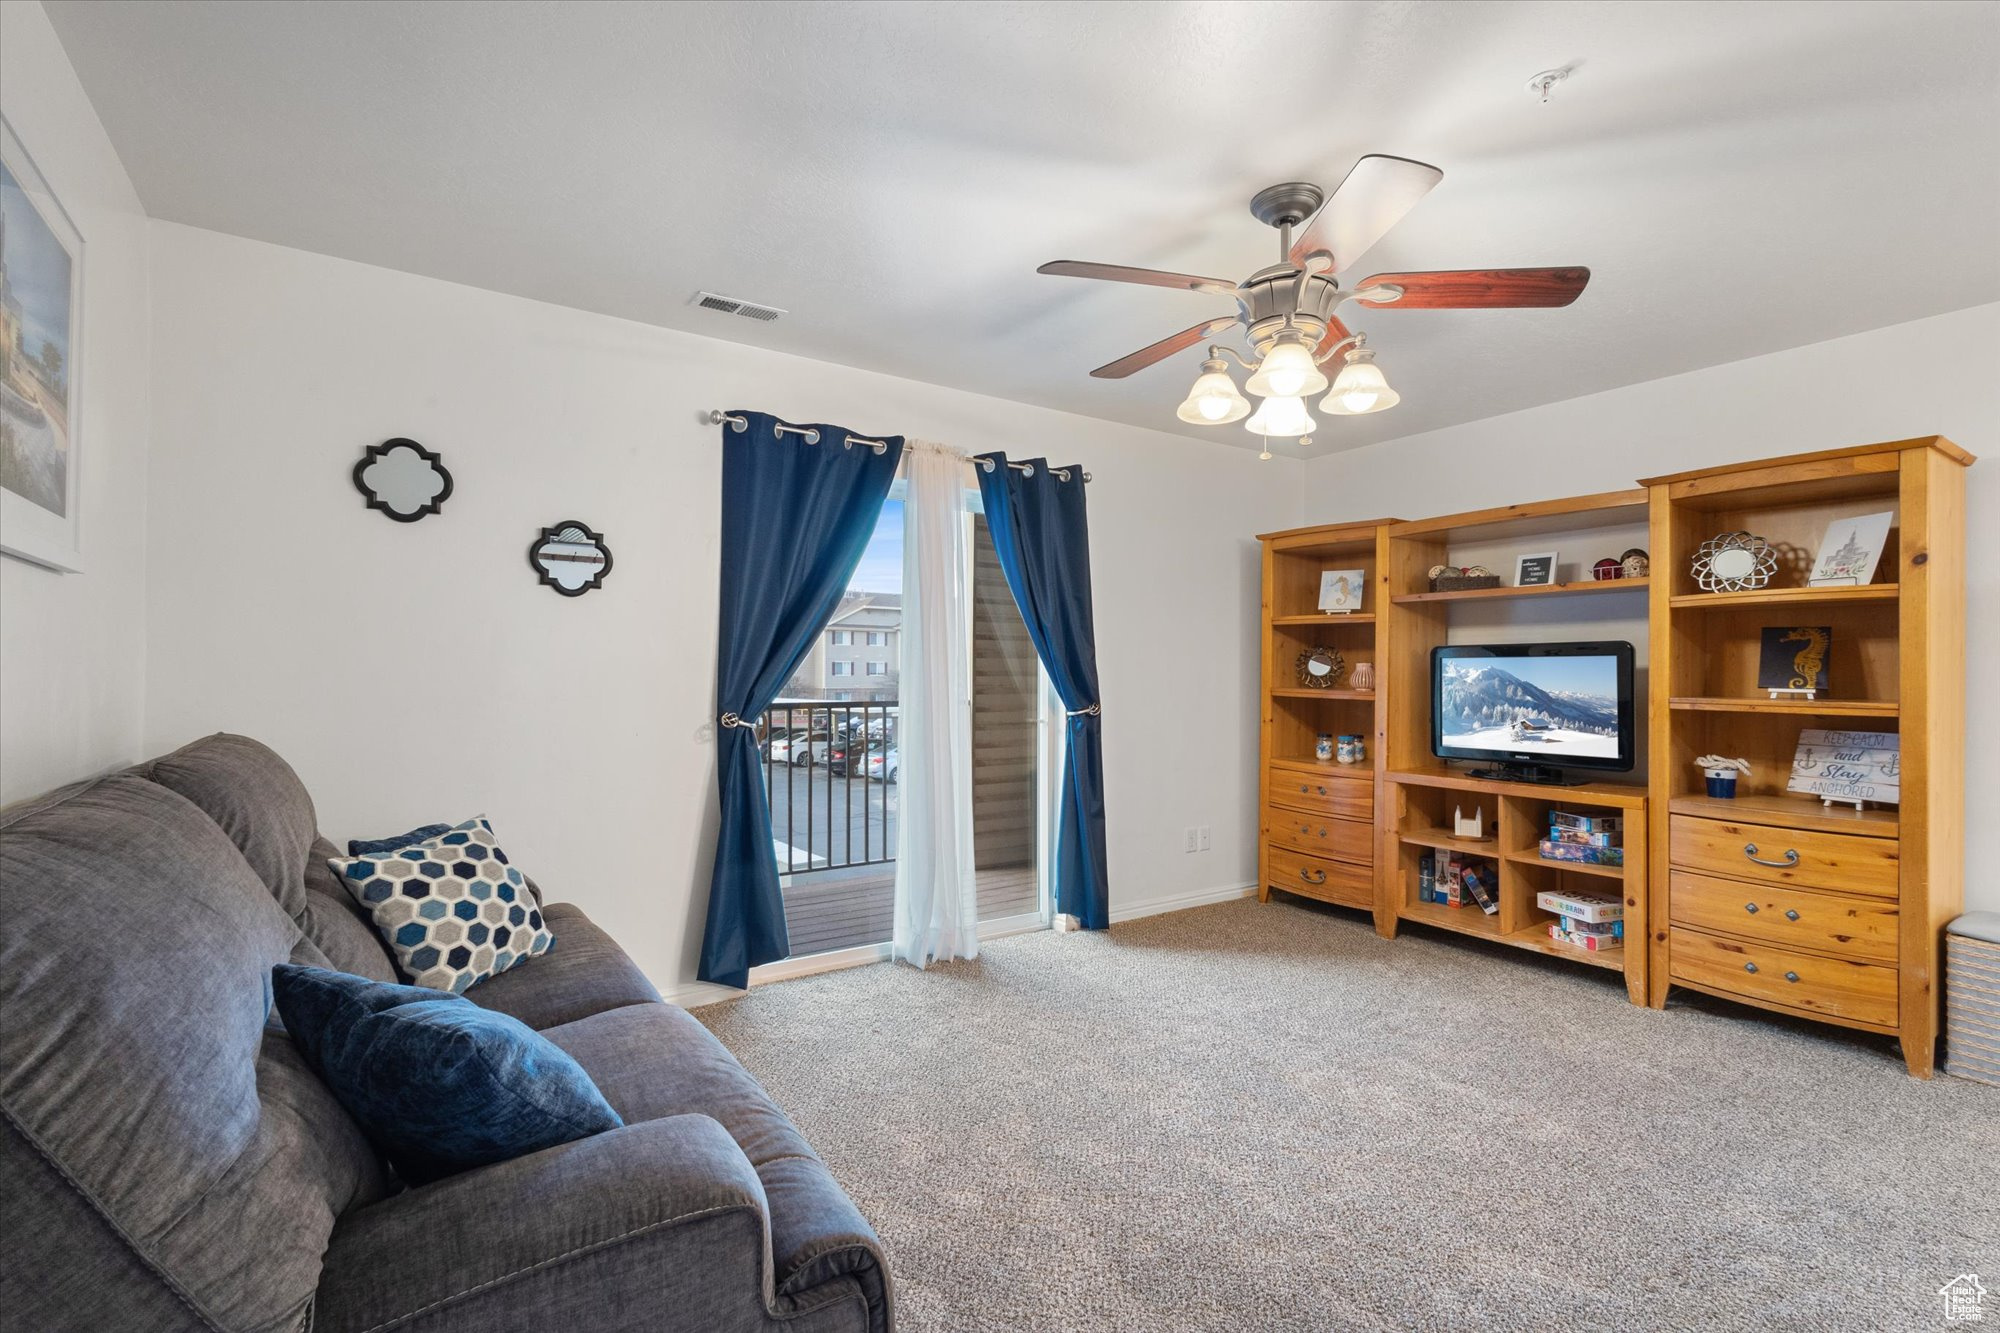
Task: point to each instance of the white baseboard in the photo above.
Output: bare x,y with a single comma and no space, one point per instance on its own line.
1180,902
698,993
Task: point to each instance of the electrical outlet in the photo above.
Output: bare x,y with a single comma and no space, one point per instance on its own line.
1190,839
1202,833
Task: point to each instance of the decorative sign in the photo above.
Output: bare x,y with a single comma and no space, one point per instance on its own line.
1793,661
1849,767
1535,571
1341,590
570,558
1848,553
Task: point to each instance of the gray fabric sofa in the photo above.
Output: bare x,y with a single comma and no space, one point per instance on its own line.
168,1161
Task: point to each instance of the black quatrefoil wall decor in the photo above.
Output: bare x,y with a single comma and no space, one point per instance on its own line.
402,479
570,558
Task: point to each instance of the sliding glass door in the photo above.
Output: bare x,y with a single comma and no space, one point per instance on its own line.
832,768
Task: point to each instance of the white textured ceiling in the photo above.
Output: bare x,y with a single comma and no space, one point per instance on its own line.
1740,177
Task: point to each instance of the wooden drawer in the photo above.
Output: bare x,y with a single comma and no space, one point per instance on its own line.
1343,797
1321,835
1314,877
1834,987
1794,918
1770,854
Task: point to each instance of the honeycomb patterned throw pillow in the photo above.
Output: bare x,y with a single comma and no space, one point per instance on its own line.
452,909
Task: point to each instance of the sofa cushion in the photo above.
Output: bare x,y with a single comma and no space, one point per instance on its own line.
452,910
257,800
340,926
135,1058
654,1060
441,1085
586,973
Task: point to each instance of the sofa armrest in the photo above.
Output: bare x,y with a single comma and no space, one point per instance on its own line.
660,1224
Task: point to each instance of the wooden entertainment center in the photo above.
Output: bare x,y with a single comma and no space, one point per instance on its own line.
1769,898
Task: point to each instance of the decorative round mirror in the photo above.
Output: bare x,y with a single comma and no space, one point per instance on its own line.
402,479
1319,668
1734,562
570,558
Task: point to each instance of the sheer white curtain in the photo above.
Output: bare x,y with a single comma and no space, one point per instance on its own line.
937,908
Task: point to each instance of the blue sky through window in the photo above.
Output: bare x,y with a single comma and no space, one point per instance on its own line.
881,567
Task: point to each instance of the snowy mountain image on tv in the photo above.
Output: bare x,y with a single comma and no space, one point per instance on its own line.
1553,705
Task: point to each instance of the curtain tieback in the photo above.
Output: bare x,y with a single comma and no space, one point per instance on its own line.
733,720
1091,711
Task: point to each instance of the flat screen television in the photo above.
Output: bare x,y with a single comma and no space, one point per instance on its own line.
1534,709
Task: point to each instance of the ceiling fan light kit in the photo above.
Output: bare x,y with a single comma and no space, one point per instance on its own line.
1288,311
1360,387
1213,401
1282,416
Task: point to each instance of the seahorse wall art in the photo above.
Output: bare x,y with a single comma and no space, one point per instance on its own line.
1809,661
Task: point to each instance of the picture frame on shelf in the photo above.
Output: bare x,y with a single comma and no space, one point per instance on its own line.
1342,592
1535,571
41,367
1850,551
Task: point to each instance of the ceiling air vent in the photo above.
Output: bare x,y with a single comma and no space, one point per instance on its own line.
729,305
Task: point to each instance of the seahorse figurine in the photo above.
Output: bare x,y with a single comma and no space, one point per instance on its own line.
1809,660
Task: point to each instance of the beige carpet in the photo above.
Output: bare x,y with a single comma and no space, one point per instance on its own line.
1253,1117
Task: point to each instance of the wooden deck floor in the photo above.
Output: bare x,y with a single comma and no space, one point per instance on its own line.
844,909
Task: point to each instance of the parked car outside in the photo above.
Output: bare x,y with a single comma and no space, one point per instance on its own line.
883,764
800,748
855,754
777,738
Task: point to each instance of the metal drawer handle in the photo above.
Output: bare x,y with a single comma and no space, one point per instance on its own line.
1307,791
1313,876
1791,915
1749,967
1791,856
1751,908
1791,976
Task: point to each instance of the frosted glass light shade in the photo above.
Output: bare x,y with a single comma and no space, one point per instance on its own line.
1360,388
1282,416
1287,371
1213,401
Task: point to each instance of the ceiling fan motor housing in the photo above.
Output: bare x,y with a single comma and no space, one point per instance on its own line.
1275,299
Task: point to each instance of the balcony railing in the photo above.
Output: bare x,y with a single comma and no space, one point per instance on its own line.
830,771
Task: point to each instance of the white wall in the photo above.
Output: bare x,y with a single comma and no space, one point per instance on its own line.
1938,376
416,671
73,651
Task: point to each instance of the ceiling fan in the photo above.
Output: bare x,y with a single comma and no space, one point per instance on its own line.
1288,310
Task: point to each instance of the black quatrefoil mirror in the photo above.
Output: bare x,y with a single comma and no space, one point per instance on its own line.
402,479
570,558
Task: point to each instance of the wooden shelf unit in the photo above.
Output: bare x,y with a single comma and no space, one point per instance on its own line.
1418,792
1317,820
1844,930
1534,590
1418,805
1727,920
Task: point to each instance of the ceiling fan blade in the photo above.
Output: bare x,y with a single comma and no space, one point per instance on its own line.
1360,211
1474,288
1336,334
1151,277
1161,350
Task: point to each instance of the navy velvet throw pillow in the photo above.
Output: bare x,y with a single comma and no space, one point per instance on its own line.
385,846
440,1084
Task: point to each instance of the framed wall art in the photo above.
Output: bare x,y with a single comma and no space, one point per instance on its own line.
41,311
